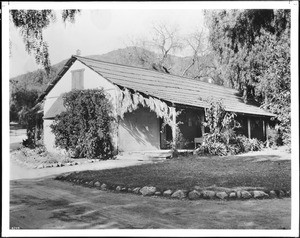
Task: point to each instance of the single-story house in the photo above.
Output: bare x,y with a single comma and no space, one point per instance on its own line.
145,100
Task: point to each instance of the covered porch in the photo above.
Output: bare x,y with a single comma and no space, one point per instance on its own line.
191,129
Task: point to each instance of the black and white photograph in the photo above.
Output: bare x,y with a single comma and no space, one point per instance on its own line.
150,118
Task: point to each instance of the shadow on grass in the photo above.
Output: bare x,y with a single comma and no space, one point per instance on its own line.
258,158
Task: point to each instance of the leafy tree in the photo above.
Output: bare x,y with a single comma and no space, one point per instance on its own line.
33,120
84,129
233,33
253,49
31,24
21,100
273,86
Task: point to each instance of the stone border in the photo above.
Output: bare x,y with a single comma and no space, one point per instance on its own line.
57,164
196,194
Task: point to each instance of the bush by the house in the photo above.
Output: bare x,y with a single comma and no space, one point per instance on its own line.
238,144
252,144
221,139
274,137
84,129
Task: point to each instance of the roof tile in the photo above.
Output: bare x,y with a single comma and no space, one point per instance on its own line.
171,88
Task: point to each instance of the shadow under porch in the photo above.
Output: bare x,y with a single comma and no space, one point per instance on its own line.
190,127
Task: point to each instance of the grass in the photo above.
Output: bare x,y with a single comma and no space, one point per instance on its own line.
187,172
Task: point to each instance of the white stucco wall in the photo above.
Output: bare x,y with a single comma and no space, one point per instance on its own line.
49,138
139,131
91,80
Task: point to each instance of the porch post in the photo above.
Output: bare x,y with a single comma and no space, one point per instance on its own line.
173,125
249,128
267,133
202,127
264,129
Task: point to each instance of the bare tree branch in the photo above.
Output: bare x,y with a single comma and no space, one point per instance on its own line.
196,42
166,39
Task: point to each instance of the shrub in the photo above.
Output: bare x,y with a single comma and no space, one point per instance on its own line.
210,147
253,145
237,145
84,129
221,139
245,144
275,138
221,126
217,148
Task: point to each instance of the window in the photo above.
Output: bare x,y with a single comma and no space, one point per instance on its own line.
77,79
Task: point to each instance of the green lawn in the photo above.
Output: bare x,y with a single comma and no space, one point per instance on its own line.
187,172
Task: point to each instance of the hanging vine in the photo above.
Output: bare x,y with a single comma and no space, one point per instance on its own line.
128,102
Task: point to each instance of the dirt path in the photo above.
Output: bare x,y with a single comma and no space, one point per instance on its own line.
47,204
18,171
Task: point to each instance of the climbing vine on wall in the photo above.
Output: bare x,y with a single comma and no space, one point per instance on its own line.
128,102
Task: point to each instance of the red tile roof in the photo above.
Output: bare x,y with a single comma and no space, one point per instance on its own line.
170,88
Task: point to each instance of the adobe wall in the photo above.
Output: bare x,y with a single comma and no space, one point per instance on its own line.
139,131
91,80
49,138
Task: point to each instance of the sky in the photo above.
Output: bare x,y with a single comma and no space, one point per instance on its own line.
98,32
110,26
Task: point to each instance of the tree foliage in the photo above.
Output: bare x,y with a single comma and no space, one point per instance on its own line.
234,35
253,49
221,124
31,24
84,129
33,120
222,138
21,101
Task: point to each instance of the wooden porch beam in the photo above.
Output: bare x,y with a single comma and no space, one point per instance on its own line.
173,125
249,128
264,129
267,133
202,120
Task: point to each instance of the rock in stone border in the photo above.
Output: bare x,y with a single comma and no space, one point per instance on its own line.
194,194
